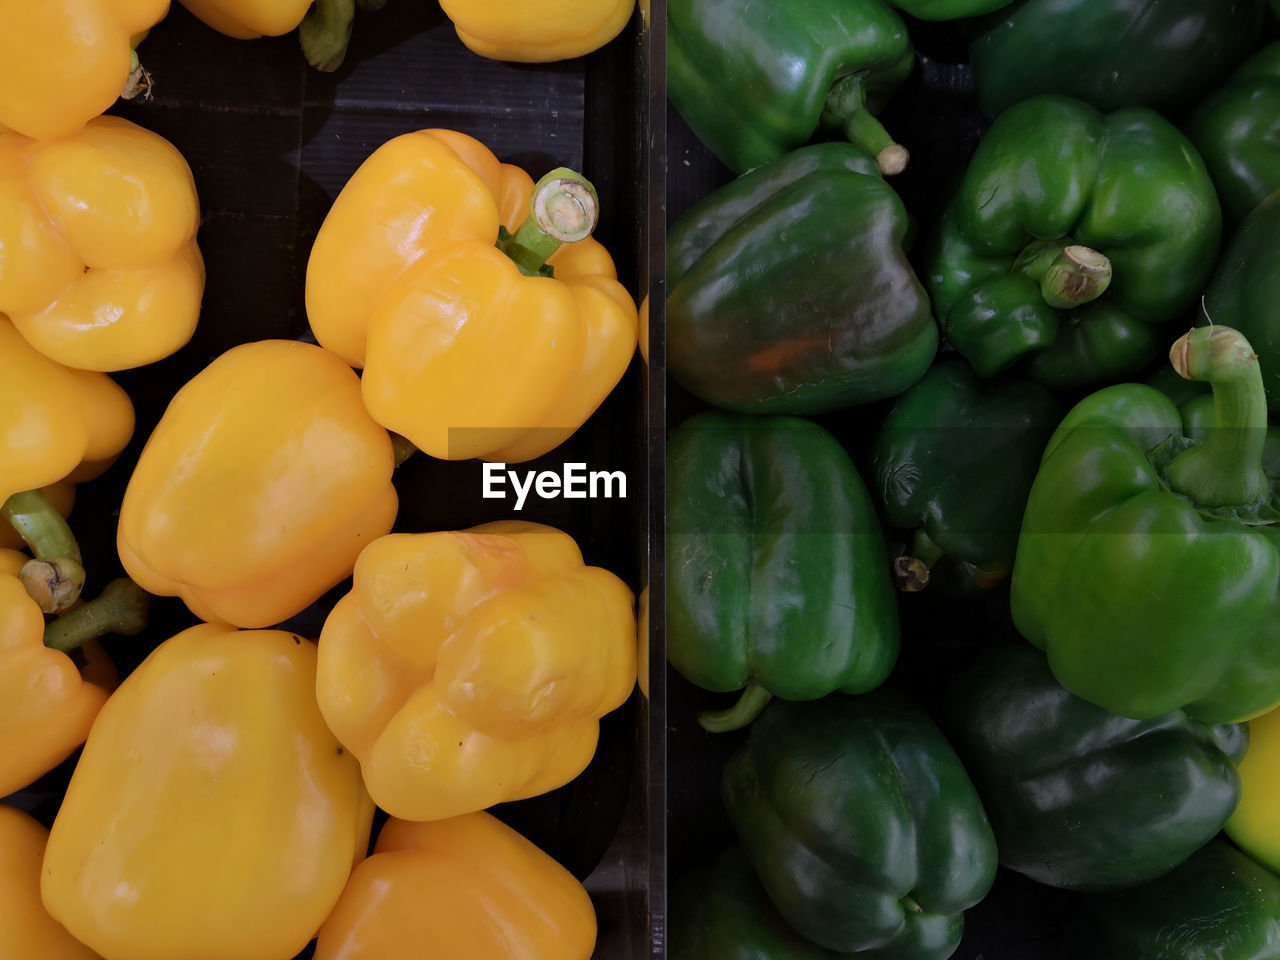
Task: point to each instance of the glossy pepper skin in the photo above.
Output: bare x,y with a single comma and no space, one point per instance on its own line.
62,64
1245,291
212,814
1237,131
777,574
948,9
246,19
26,930
861,824
953,462
75,422
790,291
466,888
1255,824
1079,797
48,703
1219,905
1148,562
537,33
101,269
720,912
408,247
471,668
755,81
263,481
1072,236
1161,54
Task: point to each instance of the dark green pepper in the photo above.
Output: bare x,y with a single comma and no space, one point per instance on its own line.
862,825
755,80
1079,797
1148,560
1237,131
1245,292
1112,53
777,573
953,462
950,9
1219,905
720,912
1071,237
790,292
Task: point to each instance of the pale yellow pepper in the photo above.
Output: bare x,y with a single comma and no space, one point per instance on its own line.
63,62
100,268
471,668
1255,825
467,888
537,32
27,932
211,816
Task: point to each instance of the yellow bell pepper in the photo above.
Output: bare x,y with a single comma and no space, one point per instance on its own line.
464,353
470,668
56,425
259,487
47,704
211,815
324,28
27,932
1255,825
63,63
100,268
537,32
467,888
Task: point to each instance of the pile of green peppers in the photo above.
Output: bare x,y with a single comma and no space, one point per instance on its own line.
973,496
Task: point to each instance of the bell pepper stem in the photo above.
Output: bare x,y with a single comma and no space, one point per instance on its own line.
749,706
846,110
911,571
563,208
1070,275
122,608
138,83
1226,468
402,447
325,32
55,577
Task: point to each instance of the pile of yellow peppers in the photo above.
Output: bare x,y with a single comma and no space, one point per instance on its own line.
223,802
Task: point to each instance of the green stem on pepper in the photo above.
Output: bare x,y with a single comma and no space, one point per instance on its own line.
749,706
1070,275
122,608
55,577
563,208
325,32
1225,469
846,110
911,570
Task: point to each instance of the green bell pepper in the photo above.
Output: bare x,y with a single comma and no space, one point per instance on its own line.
1148,561
1112,53
790,291
777,573
1070,238
862,825
950,9
953,461
1079,797
1245,292
1219,905
720,912
756,80
1237,131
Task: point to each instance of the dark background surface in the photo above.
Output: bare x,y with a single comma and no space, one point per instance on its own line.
271,142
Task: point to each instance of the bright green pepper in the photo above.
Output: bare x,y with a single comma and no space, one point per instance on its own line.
790,291
1237,131
1148,563
953,462
755,80
1071,237
1112,53
862,825
777,574
1245,292
1079,797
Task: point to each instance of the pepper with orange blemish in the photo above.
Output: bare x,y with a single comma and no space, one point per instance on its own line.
441,272
100,268
471,668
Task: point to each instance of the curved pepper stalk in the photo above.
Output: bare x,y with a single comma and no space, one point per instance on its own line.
55,577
